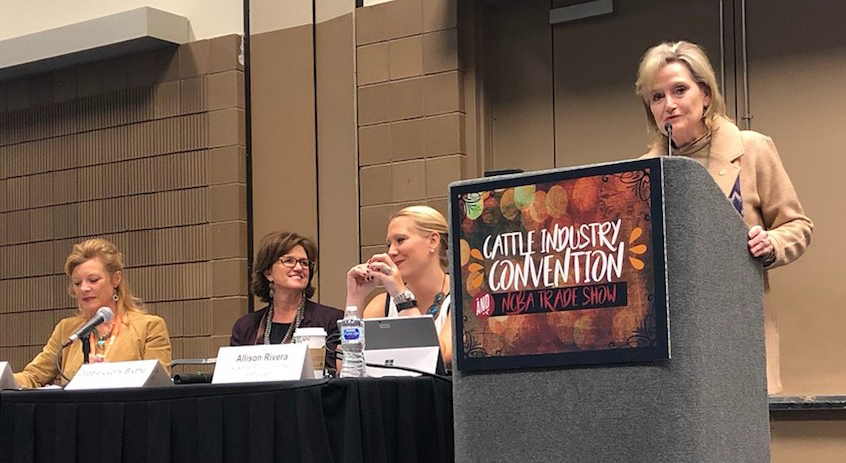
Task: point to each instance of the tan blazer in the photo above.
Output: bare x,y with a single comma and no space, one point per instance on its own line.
142,337
769,200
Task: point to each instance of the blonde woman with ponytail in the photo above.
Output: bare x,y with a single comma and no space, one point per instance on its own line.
412,271
95,269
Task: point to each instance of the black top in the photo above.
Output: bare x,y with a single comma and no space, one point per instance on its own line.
245,332
278,332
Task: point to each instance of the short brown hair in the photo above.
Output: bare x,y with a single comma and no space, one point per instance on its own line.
273,246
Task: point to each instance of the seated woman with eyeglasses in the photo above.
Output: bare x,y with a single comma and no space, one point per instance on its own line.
284,267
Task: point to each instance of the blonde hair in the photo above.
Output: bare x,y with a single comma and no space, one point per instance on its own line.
691,55
427,221
112,261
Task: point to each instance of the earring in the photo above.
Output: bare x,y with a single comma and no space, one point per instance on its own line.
431,249
115,295
270,291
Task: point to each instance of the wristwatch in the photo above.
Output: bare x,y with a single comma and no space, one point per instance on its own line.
405,300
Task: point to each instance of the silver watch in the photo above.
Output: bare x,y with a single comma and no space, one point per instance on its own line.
404,296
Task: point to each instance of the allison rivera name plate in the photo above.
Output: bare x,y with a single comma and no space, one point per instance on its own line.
562,267
262,363
111,375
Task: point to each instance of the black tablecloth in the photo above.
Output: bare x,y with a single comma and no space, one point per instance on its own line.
370,420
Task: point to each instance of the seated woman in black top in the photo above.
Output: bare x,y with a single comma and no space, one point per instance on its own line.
282,276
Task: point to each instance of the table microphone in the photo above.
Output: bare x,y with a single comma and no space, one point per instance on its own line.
104,315
669,129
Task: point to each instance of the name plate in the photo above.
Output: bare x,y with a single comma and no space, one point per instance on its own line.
7,379
255,364
110,375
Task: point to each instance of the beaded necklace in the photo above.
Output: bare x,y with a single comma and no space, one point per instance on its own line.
99,347
436,304
268,321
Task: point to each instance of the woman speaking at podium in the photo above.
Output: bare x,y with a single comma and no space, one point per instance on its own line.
412,272
687,116
95,269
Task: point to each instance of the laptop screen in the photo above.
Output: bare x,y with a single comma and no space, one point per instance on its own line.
402,341
400,332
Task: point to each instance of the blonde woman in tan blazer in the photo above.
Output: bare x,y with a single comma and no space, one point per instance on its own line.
679,88
95,269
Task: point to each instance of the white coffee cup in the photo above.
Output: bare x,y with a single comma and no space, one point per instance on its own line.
316,340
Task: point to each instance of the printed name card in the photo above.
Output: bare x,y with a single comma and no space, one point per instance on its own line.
7,380
254,364
108,375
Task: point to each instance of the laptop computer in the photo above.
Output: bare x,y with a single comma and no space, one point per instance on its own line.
409,342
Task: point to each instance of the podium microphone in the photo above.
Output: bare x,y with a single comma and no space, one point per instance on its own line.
669,129
104,315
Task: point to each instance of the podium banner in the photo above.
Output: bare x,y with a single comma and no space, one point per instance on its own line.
561,267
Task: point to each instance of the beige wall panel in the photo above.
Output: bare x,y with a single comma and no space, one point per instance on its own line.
405,57
405,18
407,98
409,181
439,204
443,93
374,223
193,96
373,63
797,70
440,51
440,172
224,313
407,139
518,80
327,10
336,150
228,239
439,15
371,24
227,165
816,437
283,125
374,144
274,15
374,104
597,116
444,134
376,184
225,53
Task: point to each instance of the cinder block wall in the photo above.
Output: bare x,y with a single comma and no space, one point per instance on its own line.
411,116
146,151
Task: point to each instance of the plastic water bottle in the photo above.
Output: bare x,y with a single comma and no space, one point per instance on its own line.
352,340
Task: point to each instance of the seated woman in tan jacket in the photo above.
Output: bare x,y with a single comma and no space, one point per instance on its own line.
95,268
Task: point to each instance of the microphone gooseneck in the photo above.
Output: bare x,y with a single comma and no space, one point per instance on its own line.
103,315
669,129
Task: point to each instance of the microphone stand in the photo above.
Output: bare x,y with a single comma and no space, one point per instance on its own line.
669,128
86,348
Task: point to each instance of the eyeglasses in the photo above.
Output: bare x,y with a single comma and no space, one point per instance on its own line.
292,262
